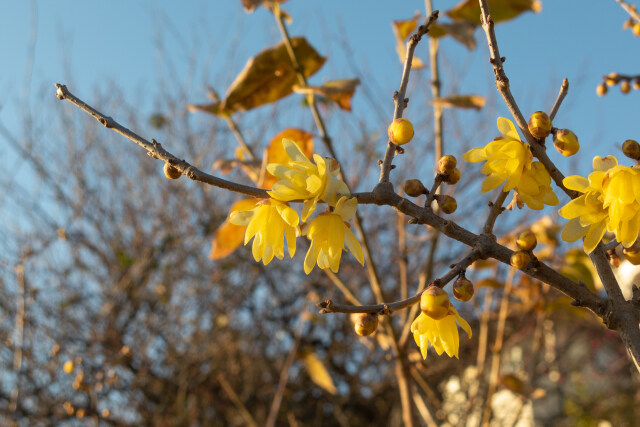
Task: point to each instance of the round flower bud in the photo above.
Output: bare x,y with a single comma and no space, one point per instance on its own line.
625,87
636,29
636,83
463,289
365,323
631,149
447,204
520,259
447,164
602,89
434,302
632,256
414,188
612,79
452,177
566,142
400,131
527,241
540,125
67,367
171,172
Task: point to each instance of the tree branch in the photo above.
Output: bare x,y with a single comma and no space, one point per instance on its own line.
564,89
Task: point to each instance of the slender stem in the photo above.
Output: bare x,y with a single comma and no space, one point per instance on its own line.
494,212
236,401
18,345
155,149
564,89
399,96
630,9
342,286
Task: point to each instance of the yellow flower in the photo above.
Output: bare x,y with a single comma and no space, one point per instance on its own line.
329,232
300,179
269,223
442,334
509,159
610,201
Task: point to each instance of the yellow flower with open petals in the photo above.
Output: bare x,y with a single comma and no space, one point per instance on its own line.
509,159
442,333
610,201
329,233
300,179
268,224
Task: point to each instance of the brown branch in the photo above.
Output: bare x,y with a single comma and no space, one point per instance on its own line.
561,95
630,9
388,308
155,149
236,401
495,210
399,96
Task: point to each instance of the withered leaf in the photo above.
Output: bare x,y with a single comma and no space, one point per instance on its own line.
500,10
275,152
339,91
401,31
461,101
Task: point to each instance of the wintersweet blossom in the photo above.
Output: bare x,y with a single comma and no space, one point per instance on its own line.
329,233
509,159
610,201
268,224
300,179
442,333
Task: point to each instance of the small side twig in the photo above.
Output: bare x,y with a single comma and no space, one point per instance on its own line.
399,96
564,89
494,212
630,9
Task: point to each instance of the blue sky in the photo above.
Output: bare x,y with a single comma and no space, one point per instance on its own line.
85,44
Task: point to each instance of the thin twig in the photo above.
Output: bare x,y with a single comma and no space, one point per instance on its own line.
564,89
630,9
156,150
236,401
494,212
18,345
388,308
399,96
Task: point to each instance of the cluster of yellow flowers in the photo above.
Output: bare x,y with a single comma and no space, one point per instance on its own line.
273,220
509,159
610,200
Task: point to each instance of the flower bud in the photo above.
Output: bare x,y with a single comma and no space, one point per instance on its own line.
463,289
612,79
520,259
566,142
434,302
447,164
602,89
636,29
527,241
540,125
636,83
171,172
447,204
614,259
631,149
67,367
400,131
633,256
452,177
365,323
625,87
414,188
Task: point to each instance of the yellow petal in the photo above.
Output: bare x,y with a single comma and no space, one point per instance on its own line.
507,129
293,151
573,231
604,163
475,155
594,236
576,183
354,246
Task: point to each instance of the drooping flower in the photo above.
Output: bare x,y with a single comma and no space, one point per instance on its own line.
442,333
300,179
329,233
509,159
268,224
610,201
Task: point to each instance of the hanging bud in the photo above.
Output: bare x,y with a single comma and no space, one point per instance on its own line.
566,142
462,289
631,149
527,241
447,204
452,177
365,323
171,172
414,188
67,367
434,302
636,83
520,259
602,89
636,29
633,256
400,131
447,164
540,125
625,87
